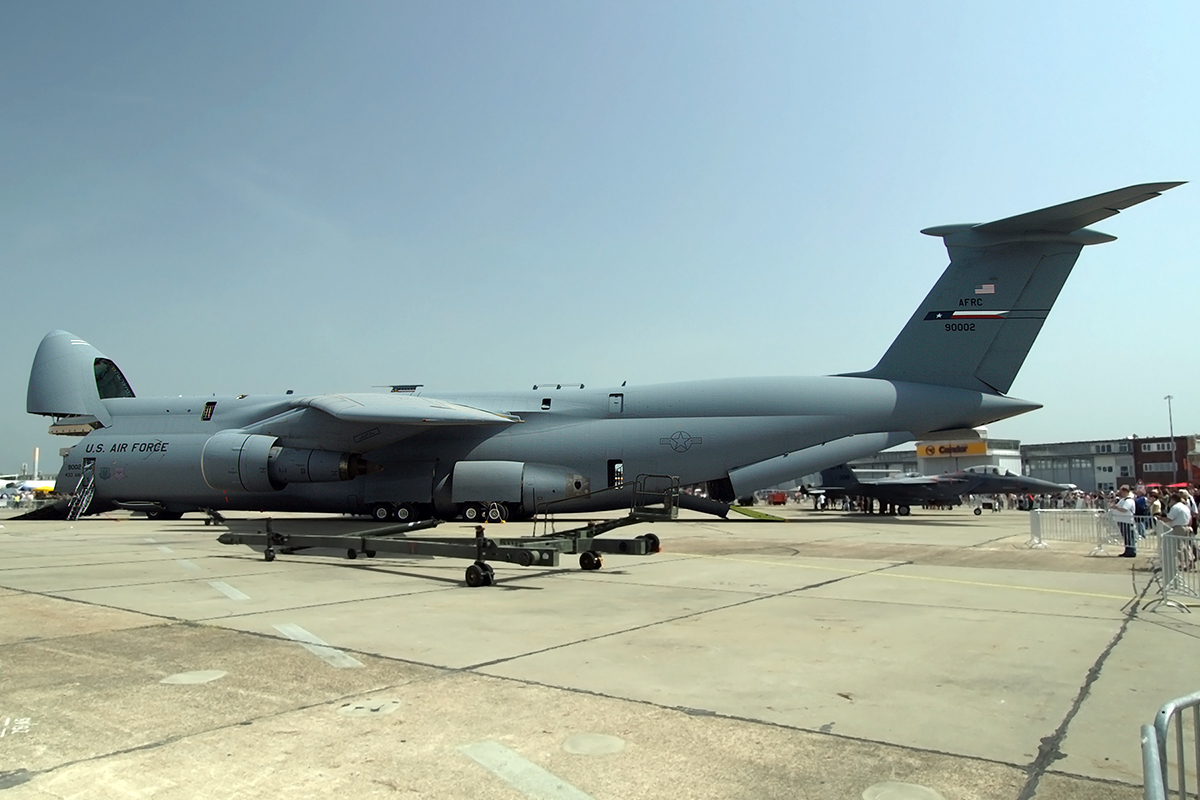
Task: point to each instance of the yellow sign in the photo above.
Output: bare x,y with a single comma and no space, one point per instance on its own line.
951,449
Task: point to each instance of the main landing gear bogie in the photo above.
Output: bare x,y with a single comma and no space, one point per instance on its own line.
399,512
484,512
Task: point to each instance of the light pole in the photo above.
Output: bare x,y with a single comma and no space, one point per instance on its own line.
1171,426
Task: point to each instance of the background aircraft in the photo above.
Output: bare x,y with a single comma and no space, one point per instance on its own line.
903,491
407,455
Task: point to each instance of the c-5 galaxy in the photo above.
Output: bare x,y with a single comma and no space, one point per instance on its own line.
408,455
902,491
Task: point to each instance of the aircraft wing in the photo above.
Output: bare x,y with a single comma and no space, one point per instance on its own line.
918,480
401,409
1004,484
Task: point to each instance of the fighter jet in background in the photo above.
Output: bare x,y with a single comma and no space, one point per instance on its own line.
901,492
415,454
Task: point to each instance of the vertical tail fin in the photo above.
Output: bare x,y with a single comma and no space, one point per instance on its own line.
839,477
976,325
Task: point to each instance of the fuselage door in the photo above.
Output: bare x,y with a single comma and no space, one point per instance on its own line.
616,403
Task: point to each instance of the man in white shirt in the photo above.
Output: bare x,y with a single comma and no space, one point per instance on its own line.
1190,502
1122,513
1179,517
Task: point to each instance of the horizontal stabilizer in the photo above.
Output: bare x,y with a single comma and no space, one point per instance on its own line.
1070,217
1056,222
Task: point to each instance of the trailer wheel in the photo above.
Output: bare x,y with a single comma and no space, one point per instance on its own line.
653,544
978,511
479,574
590,560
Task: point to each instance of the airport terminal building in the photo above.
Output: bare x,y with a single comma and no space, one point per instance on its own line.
1106,464
1096,465
945,455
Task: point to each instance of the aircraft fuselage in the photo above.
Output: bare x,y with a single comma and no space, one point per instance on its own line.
699,431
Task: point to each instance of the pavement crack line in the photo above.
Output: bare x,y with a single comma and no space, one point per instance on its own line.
1050,748
19,776
756,599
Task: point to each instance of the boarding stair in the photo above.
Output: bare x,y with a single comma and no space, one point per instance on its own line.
85,490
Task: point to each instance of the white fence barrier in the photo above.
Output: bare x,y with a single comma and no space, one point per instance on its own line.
1177,576
1091,526
1159,769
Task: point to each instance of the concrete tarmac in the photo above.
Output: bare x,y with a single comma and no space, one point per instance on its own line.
827,656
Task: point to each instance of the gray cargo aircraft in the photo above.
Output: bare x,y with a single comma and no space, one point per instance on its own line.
902,491
406,455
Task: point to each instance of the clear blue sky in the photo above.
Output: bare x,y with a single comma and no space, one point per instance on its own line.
250,197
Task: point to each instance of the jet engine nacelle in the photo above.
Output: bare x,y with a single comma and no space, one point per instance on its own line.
247,462
532,486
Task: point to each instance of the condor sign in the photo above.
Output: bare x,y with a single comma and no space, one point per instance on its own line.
951,449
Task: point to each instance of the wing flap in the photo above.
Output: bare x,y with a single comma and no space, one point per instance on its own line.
401,409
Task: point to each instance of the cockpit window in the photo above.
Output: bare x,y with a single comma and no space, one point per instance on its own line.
109,380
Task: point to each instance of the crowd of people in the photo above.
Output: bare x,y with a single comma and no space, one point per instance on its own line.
1136,510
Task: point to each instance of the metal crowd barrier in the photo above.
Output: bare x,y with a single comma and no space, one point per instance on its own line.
1091,526
1158,769
1177,575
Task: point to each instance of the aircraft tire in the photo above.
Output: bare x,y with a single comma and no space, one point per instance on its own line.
471,512
405,512
381,511
978,511
494,512
903,511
